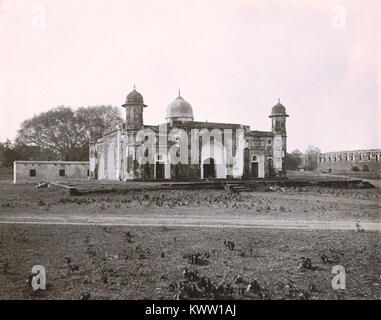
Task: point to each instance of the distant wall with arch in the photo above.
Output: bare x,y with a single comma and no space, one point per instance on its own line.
351,161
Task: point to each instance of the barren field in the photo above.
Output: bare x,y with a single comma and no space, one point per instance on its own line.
132,262
148,262
307,203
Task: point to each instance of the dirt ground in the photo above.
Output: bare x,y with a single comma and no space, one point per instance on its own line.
147,262
307,203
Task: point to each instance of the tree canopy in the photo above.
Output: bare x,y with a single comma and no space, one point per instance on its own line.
64,133
312,156
293,159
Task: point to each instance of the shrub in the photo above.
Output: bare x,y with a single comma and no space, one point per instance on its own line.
355,168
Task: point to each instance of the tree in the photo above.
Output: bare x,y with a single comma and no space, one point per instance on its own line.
293,159
107,115
65,133
312,155
8,154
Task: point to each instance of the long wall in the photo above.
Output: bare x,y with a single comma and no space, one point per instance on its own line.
36,171
345,161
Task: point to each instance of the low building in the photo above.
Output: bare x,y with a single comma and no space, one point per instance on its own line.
37,171
301,167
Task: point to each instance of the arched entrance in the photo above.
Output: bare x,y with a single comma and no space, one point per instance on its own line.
209,168
162,167
254,167
213,161
270,167
159,170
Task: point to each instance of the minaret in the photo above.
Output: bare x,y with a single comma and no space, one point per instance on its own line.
134,122
134,110
278,117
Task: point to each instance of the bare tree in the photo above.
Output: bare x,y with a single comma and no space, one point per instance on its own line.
312,155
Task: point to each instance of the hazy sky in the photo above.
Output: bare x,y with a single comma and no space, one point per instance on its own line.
232,59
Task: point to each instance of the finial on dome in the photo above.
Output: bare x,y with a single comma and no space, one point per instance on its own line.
278,100
179,92
134,86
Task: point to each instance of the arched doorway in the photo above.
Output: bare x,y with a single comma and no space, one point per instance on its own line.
270,167
213,159
254,167
162,167
159,170
209,168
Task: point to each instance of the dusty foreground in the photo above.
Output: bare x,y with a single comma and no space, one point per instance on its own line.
308,203
267,235
233,221
147,262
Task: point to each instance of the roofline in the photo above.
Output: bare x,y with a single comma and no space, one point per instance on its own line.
278,115
133,104
50,162
359,150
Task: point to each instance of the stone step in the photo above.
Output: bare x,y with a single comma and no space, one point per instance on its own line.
236,187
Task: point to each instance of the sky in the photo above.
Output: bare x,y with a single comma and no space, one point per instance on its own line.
231,59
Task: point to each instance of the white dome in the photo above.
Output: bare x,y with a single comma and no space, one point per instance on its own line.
179,109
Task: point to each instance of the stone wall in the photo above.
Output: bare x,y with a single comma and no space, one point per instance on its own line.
343,162
37,171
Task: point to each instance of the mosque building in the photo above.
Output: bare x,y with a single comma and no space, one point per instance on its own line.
212,150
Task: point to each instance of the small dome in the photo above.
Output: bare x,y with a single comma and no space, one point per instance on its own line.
278,110
179,109
134,97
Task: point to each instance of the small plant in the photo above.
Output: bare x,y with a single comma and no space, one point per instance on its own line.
229,244
191,275
325,258
254,287
196,258
4,265
85,296
358,227
306,263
